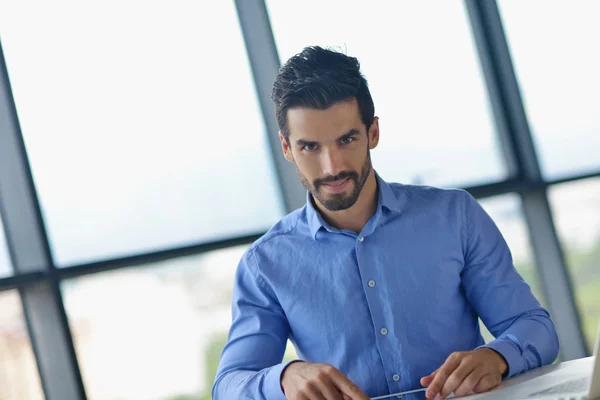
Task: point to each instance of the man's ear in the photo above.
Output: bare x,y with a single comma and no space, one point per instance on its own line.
374,133
285,146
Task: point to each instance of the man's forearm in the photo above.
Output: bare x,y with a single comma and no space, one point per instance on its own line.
529,342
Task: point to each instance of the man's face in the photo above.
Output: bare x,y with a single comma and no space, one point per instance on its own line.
331,150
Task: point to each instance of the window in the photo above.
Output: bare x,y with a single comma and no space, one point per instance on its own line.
506,212
576,208
5,264
552,45
166,323
19,377
143,131
175,313
421,63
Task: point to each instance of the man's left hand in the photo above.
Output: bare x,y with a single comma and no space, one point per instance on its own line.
467,372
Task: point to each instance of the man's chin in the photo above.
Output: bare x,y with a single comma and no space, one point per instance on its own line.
337,203
337,207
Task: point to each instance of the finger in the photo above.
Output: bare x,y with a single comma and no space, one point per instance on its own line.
330,392
346,397
469,383
442,375
347,387
426,380
487,382
310,392
457,377
326,386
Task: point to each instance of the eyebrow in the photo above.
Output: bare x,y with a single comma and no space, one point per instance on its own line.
351,132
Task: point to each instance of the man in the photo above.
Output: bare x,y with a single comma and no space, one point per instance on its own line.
378,285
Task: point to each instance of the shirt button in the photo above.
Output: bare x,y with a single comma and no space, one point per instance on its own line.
371,283
396,377
360,239
384,331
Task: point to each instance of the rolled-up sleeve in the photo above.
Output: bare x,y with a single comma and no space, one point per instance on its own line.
525,334
251,362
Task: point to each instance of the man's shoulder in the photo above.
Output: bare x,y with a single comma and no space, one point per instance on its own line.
290,226
420,194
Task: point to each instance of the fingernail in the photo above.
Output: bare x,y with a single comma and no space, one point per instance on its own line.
430,394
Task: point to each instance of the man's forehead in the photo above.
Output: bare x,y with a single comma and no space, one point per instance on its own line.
314,124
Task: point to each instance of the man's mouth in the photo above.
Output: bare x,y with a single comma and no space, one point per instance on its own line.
337,186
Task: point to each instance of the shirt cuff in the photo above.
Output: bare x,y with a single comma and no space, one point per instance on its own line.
273,381
512,356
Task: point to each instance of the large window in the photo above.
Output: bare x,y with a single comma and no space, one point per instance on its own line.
142,129
424,75
554,48
5,264
19,378
576,209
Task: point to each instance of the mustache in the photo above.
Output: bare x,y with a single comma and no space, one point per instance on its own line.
342,175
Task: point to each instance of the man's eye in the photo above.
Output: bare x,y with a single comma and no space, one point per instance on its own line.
347,140
309,147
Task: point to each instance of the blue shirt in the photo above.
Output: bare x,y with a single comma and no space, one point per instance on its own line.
386,306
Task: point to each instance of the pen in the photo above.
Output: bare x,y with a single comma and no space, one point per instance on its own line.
400,394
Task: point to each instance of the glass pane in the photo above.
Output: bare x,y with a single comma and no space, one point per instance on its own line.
139,139
576,208
19,377
166,323
5,264
557,69
506,212
436,124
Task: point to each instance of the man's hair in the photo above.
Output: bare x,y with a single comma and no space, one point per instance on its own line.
319,78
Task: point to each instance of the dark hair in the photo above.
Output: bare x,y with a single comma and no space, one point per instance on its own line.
319,78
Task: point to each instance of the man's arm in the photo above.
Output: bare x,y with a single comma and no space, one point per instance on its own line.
251,362
525,334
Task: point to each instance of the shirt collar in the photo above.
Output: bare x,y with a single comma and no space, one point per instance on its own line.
385,199
314,218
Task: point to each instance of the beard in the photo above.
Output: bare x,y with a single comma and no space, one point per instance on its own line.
339,201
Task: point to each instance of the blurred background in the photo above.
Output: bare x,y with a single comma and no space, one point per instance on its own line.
139,158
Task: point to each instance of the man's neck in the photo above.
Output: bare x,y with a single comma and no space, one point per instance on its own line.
355,217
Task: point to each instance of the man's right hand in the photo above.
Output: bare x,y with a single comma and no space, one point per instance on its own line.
310,381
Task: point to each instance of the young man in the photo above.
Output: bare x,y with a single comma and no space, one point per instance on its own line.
378,285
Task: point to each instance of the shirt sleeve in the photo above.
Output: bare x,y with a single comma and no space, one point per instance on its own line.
251,362
525,335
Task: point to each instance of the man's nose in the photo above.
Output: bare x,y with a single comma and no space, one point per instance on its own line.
332,163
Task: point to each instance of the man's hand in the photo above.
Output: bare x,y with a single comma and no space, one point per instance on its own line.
468,372
309,381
